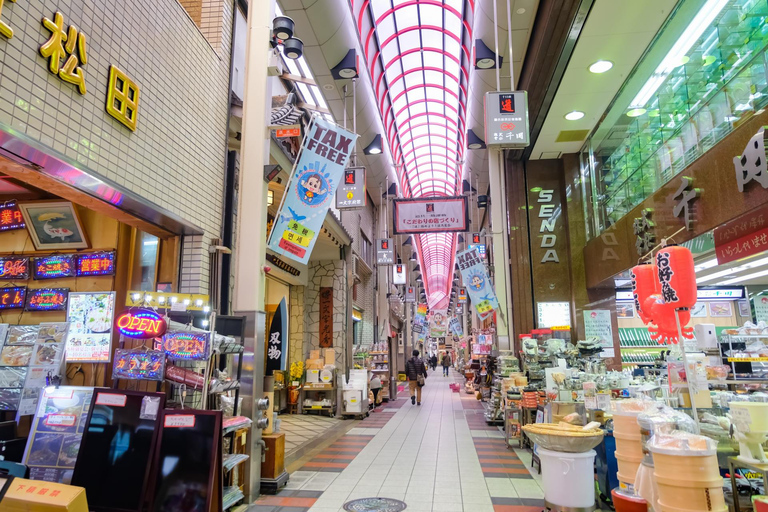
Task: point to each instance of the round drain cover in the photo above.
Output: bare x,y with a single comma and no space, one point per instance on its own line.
375,505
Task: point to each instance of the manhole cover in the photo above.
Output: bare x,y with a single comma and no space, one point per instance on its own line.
374,505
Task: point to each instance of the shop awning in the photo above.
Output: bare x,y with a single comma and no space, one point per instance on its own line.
27,160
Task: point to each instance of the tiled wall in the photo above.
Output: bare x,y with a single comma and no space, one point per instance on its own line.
176,157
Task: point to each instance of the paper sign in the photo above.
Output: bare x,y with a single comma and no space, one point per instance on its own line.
179,421
597,323
741,418
111,399
60,420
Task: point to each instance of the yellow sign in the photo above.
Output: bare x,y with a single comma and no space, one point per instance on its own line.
300,230
38,496
5,29
748,359
122,98
172,301
54,50
297,239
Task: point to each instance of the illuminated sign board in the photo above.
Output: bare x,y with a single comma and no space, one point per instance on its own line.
139,365
12,298
141,324
53,267
14,267
47,299
96,264
480,249
10,216
385,251
701,294
462,296
475,238
351,192
187,345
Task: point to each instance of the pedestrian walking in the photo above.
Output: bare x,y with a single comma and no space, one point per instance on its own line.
446,362
416,372
375,389
433,362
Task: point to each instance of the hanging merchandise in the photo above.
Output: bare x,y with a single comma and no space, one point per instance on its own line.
644,284
479,286
311,191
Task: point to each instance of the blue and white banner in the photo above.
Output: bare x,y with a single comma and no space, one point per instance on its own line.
455,326
319,170
476,280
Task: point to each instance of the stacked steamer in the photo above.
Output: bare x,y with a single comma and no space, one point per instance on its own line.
629,448
686,472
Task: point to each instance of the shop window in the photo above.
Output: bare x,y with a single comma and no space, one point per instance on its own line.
366,250
357,333
146,252
354,291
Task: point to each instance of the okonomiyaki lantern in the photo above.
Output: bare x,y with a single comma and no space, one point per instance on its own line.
644,284
677,276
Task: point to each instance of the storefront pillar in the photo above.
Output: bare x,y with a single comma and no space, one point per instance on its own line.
251,237
500,246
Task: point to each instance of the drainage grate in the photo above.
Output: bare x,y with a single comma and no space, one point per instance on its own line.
375,505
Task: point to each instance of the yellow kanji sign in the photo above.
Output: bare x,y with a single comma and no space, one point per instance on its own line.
5,29
54,50
122,98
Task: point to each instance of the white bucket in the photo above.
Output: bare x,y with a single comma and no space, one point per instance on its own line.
568,478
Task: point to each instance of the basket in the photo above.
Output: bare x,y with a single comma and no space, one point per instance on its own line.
560,440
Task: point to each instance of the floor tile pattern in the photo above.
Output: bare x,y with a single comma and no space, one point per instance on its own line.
336,457
301,429
497,461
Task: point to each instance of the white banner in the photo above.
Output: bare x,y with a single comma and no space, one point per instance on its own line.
433,215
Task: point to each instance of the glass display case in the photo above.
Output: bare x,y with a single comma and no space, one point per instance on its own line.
702,88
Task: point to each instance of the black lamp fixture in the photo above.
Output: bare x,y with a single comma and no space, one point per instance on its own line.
282,28
473,141
467,189
417,268
413,256
408,241
282,33
293,48
391,191
482,201
461,239
485,58
374,148
418,277
347,68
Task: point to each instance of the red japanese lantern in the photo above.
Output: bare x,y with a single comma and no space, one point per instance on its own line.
664,329
677,276
644,284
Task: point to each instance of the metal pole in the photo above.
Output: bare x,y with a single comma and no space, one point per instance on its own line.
692,386
496,48
510,55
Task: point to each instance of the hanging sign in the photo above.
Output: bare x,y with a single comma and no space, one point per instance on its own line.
10,216
326,317
455,326
399,274
14,267
90,316
480,249
47,299
316,176
293,130
96,264
187,345
597,324
385,251
420,325
139,365
351,192
475,277
55,267
141,324
12,298
462,296
410,294
433,215
438,323
506,119
276,342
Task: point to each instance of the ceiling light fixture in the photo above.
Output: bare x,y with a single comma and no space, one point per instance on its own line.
347,68
601,66
473,141
520,10
293,48
636,112
485,58
574,115
282,27
374,148
676,54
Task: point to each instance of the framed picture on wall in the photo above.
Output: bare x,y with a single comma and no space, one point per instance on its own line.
720,309
54,225
625,310
164,288
744,309
699,310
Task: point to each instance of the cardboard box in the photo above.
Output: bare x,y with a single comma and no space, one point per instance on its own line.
38,496
330,356
314,354
315,364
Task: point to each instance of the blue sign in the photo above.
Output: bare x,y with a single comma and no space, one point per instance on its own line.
312,189
476,280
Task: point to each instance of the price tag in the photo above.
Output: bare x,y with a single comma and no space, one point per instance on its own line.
60,420
741,419
179,421
178,306
111,399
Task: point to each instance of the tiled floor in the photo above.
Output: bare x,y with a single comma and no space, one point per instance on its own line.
301,429
427,456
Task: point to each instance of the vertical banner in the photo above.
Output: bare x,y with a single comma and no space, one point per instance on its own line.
312,189
455,326
420,325
351,193
597,324
278,330
475,278
438,323
326,317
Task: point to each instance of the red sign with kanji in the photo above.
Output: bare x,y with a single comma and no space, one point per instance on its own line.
747,245
10,216
287,132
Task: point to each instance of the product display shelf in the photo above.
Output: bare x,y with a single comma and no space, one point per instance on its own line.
313,391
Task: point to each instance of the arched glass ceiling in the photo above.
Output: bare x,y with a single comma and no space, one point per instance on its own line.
418,55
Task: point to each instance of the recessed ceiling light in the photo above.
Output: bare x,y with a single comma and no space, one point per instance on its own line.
328,87
575,115
486,63
520,10
636,112
601,66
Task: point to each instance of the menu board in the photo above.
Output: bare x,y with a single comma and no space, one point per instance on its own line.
57,430
91,316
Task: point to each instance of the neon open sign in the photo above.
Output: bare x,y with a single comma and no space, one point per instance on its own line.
141,324
187,345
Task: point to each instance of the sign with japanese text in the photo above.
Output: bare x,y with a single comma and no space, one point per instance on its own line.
597,324
90,316
410,294
96,264
10,216
351,192
326,317
141,324
14,267
420,325
278,330
506,119
283,265
455,326
761,307
139,365
188,345
13,298
432,215
47,299
462,296
399,274
315,178
293,130
479,287
55,267
385,251
480,249
735,249
438,323
552,314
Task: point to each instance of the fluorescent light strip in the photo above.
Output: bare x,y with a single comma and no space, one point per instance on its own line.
692,33
735,270
747,277
705,265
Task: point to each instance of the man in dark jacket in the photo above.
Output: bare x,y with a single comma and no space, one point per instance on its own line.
433,362
446,363
414,367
